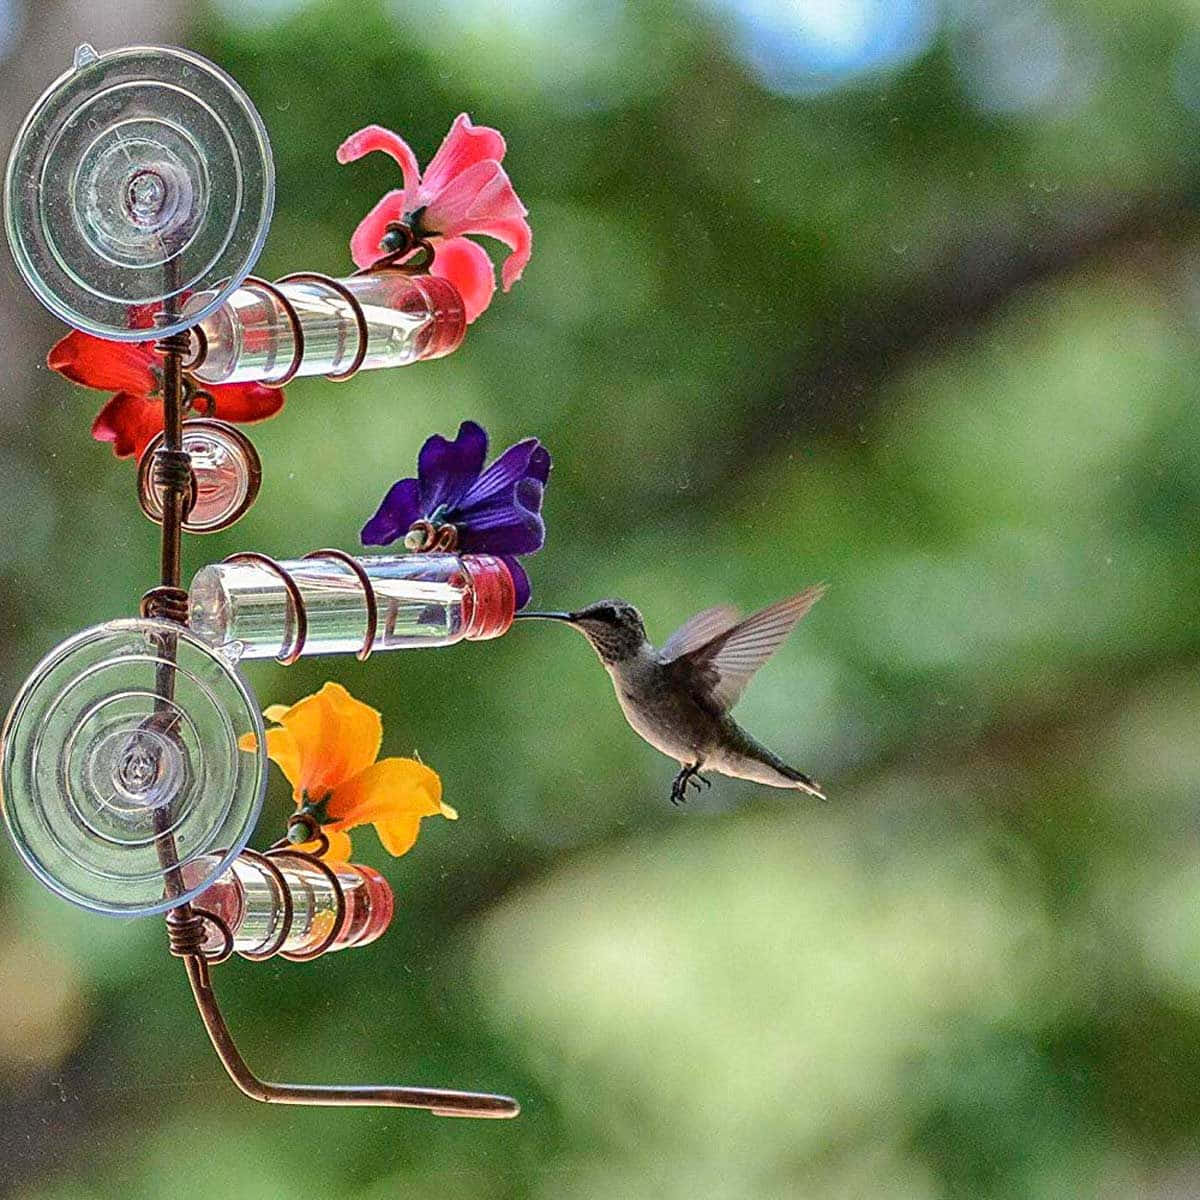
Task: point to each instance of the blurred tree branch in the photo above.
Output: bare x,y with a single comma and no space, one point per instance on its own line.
840,388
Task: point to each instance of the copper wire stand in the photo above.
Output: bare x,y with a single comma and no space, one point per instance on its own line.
186,924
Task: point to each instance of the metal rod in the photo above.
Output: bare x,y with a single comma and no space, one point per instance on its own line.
174,475
175,496
438,1101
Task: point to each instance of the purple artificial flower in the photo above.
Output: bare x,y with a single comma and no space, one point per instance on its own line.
455,504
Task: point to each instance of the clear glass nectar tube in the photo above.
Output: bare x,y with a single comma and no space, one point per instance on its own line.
312,325
249,900
249,607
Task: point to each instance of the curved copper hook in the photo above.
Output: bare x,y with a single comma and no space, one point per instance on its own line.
439,1101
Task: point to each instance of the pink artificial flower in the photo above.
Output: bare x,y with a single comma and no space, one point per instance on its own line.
464,190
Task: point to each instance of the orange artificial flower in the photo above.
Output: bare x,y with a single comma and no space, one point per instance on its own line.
327,745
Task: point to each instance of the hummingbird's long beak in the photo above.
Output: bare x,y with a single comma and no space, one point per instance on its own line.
548,616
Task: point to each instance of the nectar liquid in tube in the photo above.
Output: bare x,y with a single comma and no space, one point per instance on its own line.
421,600
252,336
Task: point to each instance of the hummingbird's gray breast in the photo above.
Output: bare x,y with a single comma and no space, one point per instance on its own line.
662,712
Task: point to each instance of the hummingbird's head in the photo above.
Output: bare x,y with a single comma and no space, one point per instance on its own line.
614,628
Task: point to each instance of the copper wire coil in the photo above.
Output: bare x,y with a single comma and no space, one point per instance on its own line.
174,343
369,599
312,827
338,894
295,630
167,603
360,318
297,329
197,345
153,472
187,934
226,949
198,400
393,260
285,896
171,470
442,538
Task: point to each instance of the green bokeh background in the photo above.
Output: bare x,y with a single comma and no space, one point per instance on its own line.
938,351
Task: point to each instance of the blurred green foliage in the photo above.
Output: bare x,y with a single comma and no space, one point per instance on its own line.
941,356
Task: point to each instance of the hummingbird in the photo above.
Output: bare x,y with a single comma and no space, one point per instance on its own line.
678,697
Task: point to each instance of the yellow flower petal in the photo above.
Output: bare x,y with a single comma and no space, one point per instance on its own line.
398,834
339,846
394,787
335,735
276,712
281,750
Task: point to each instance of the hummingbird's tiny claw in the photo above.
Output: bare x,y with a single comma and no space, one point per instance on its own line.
679,786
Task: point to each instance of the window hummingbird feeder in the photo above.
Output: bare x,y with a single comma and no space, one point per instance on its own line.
138,196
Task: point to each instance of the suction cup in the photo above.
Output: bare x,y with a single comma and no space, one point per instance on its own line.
99,772
141,176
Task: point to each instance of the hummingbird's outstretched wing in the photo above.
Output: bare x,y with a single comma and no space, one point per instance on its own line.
699,630
717,671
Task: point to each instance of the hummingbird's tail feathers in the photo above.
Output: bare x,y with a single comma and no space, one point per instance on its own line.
802,783
744,758
722,667
769,770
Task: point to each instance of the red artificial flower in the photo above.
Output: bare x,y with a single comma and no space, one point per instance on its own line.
464,190
131,369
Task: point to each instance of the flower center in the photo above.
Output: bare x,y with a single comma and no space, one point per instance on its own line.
415,220
432,535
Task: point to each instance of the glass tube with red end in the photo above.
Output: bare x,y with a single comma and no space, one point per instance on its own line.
254,607
309,324
287,904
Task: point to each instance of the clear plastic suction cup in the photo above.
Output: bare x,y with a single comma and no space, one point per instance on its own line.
141,176
100,774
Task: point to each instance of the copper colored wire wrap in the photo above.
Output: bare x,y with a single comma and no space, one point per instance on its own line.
439,538
185,931
295,630
339,897
285,898
372,605
188,937
360,318
204,917
297,330
311,827
166,603
407,243
198,346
